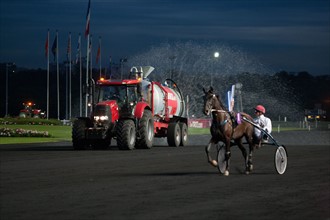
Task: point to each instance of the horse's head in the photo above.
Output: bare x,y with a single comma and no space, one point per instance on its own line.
209,99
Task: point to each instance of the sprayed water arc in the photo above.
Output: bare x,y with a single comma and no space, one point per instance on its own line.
194,66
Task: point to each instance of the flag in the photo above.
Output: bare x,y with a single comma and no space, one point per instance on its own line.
78,49
88,16
46,46
98,54
54,47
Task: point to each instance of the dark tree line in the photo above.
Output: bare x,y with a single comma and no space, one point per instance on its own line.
311,90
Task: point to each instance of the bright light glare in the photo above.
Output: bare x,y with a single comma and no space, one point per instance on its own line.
216,54
101,118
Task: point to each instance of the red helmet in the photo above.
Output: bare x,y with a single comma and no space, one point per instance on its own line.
260,108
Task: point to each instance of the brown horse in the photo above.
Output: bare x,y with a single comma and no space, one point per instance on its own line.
223,129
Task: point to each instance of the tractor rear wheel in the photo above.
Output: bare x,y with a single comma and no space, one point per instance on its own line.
146,131
174,134
78,135
126,135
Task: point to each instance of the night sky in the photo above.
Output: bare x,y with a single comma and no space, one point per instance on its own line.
291,35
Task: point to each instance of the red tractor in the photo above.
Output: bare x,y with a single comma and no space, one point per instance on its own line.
30,111
133,111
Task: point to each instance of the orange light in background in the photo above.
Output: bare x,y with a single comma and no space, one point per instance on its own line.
30,103
102,79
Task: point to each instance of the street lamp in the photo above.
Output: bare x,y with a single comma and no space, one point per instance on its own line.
216,55
7,66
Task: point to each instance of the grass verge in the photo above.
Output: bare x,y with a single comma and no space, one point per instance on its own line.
58,133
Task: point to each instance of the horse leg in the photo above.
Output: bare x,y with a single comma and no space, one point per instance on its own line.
244,153
209,158
251,148
227,156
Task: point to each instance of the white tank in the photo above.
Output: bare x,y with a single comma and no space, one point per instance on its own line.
175,104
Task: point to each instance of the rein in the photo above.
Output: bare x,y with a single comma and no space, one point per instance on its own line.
215,110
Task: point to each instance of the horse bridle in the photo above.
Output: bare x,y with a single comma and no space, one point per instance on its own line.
210,105
217,110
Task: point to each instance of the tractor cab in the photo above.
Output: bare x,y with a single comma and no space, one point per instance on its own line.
124,93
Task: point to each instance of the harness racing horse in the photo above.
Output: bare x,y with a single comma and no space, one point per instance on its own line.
224,130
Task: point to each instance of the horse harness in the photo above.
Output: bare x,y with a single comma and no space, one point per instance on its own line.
227,120
222,111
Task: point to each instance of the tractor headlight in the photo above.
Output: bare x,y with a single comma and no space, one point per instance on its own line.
102,114
101,118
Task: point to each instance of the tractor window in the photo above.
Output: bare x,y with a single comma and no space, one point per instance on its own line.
132,94
117,93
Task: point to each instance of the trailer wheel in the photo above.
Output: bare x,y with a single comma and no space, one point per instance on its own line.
184,134
174,134
126,135
146,131
78,135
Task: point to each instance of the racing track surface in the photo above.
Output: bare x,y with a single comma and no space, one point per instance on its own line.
51,181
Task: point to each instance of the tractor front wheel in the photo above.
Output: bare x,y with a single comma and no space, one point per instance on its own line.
78,135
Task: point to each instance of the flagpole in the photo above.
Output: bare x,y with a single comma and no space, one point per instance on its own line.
91,56
91,97
87,77
87,57
80,77
70,75
66,87
100,57
58,78
47,74
91,66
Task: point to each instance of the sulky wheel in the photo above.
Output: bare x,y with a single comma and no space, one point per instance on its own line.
281,159
222,165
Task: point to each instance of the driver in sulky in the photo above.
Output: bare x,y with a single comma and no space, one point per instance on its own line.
264,122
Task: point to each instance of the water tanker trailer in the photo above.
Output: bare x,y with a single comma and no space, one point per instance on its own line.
133,111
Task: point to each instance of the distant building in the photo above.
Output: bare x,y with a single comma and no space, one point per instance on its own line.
316,114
